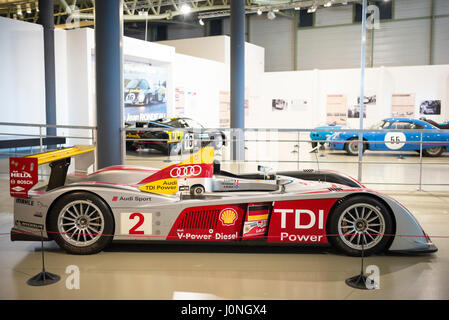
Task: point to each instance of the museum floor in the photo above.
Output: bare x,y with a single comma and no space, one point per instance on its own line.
216,272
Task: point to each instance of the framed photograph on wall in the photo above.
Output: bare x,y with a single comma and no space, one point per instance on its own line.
336,110
430,107
403,105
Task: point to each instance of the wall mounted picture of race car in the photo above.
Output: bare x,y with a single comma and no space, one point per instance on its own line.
139,92
170,139
434,143
322,135
195,201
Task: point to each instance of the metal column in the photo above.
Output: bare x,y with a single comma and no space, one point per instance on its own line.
362,88
46,19
238,77
109,81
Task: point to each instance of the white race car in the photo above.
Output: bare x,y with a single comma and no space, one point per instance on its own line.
196,201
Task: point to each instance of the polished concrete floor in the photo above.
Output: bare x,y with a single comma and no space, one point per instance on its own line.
217,272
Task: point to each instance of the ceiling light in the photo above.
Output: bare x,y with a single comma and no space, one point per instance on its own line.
36,5
328,4
28,7
311,9
185,9
259,12
201,22
275,10
297,8
271,15
19,10
143,13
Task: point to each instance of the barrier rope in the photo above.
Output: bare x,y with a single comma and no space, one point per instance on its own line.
240,237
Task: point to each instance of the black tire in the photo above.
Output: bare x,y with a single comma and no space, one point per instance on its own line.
351,147
342,238
130,146
433,152
197,190
100,237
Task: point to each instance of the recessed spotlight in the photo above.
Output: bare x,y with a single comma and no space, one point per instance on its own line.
271,15
185,9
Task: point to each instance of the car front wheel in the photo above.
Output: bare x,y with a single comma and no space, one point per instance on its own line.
360,221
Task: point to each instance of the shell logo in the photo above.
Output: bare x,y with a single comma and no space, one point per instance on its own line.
228,216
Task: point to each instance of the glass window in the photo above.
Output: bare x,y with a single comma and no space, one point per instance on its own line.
133,84
406,125
193,123
381,125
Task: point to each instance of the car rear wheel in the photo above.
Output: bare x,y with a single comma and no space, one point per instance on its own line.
174,149
358,221
218,141
81,223
352,147
433,152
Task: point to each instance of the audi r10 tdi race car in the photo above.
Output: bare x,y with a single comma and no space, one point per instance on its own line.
196,201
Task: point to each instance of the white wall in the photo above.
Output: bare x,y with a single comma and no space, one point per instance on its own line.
22,91
425,82
201,81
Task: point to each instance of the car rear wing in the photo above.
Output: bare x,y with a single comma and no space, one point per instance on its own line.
24,170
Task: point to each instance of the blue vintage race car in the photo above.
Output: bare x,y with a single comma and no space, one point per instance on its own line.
434,143
321,136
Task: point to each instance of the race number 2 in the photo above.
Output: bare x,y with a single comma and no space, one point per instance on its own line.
136,223
395,140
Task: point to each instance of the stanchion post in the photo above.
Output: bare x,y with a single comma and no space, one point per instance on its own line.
43,278
360,281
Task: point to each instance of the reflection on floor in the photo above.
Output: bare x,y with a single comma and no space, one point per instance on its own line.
227,272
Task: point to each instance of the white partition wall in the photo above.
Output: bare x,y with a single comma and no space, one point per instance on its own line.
22,77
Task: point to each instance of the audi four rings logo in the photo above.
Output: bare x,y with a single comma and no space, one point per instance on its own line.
187,171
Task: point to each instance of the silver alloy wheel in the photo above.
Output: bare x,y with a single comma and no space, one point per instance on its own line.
361,222
433,151
80,223
353,147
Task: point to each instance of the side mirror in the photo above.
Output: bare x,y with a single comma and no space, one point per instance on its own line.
283,183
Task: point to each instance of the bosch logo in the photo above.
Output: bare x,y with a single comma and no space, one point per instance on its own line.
187,171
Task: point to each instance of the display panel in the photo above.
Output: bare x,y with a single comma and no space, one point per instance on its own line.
144,91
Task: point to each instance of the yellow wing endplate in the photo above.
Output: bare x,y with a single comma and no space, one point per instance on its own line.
203,156
51,156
